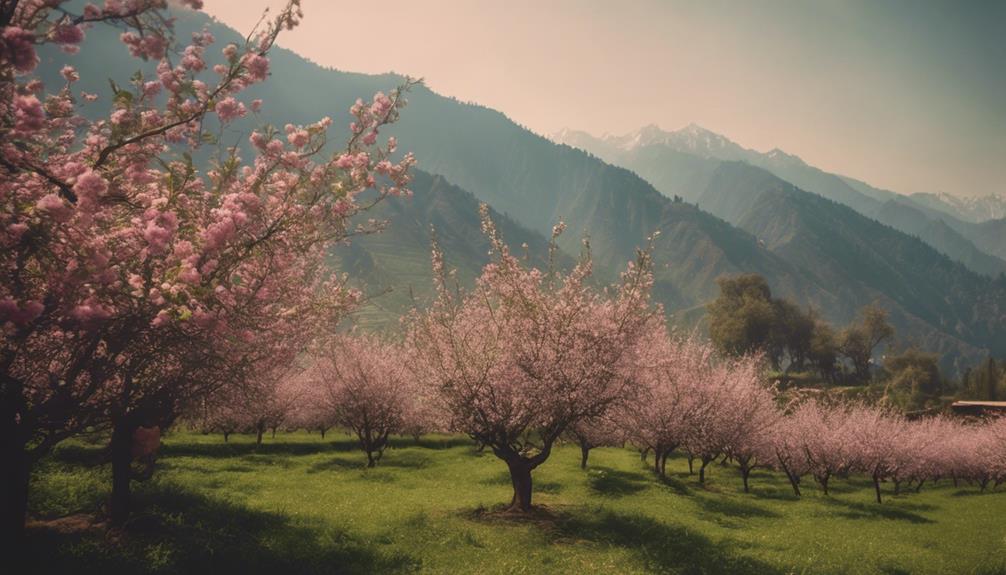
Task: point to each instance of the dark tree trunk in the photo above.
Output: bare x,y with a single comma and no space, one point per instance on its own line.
702,470
122,459
323,430
227,436
918,487
663,463
371,462
584,453
520,476
823,480
258,436
15,468
643,453
794,481
274,433
876,487
745,474
897,487
691,469
14,476
656,462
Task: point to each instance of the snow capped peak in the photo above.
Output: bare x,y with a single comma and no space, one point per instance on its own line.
778,156
968,208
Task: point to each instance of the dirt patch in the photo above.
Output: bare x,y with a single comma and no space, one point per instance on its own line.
78,523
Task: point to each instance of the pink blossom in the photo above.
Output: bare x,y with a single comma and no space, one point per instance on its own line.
90,186
90,311
229,109
28,113
119,116
17,48
69,74
298,138
153,46
67,34
54,206
257,66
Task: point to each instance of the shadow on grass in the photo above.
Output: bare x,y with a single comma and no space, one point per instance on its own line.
80,454
731,507
615,483
337,464
503,478
677,484
662,548
873,510
176,531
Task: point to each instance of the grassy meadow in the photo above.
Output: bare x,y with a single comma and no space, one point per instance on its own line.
298,504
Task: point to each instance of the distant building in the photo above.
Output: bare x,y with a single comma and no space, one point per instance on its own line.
979,408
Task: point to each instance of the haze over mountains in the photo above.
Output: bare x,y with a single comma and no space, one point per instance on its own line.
820,239
681,162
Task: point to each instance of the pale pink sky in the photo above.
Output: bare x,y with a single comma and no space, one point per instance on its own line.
905,94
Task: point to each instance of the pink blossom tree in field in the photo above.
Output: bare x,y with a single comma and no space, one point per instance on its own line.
822,436
747,417
878,437
732,405
790,457
669,401
526,354
422,415
592,432
365,387
135,281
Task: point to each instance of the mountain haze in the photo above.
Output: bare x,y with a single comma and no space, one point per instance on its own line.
739,214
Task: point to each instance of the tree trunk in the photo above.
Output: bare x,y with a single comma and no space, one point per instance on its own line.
745,473
258,436
793,480
520,476
274,433
897,487
876,487
227,436
584,453
14,476
323,430
702,471
691,470
663,463
643,453
656,462
918,487
371,462
122,459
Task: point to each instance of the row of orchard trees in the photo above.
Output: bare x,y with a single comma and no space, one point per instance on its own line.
354,382
530,357
134,281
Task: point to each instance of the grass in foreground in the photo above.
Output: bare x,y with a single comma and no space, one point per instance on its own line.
298,504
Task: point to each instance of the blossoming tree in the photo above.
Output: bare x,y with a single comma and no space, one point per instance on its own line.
364,388
526,354
135,280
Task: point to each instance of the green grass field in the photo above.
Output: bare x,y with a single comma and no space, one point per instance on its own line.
298,504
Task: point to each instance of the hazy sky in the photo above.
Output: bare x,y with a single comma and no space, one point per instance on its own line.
909,95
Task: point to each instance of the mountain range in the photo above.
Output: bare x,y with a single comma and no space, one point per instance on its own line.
816,237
